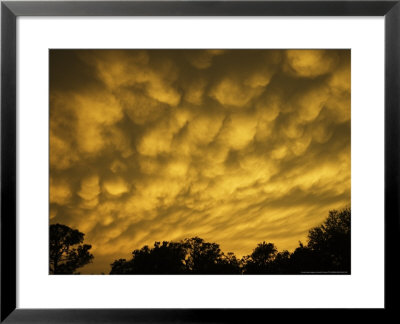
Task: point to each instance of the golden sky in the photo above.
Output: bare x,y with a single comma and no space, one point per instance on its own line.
234,146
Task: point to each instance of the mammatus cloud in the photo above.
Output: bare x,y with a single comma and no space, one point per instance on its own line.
234,146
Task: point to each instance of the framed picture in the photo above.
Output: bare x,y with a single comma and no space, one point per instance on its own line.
197,161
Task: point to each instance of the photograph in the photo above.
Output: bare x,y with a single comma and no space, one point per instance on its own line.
199,161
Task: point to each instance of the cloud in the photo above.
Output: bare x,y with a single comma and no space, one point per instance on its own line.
202,59
94,114
89,192
238,131
62,154
158,139
311,63
116,186
194,91
132,69
60,192
231,92
234,146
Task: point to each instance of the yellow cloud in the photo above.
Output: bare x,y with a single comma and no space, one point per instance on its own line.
118,68
310,103
202,59
140,108
60,192
258,79
90,188
94,113
116,186
321,133
300,145
231,92
117,166
158,139
340,99
293,128
238,131
279,153
62,155
176,168
195,91
204,128
310,63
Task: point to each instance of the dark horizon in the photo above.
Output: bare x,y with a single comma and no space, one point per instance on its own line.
327,251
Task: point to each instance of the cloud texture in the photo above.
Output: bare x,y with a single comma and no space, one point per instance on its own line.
234,146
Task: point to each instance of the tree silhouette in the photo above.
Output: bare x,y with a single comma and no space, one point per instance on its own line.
203,257
66,251
165,258
261,259
328,247
121,266
327,250
192,255
229,264
281,263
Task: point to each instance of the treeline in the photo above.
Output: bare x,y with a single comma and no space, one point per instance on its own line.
327,251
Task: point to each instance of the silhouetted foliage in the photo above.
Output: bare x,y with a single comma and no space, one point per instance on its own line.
281,263
229,264
328,247
203,257
188,256
66,251
327,250
260,261
166,258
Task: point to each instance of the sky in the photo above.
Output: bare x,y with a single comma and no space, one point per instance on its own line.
234,146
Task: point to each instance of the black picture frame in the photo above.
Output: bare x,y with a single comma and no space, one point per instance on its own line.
10,10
